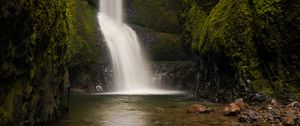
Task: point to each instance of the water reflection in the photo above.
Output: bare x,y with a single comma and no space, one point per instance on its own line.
137,110
123,112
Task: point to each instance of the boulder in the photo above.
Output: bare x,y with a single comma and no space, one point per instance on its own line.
294,105
256,99
235,108
249,116
290,114
231,109
197,108
240,103
274,102
289,121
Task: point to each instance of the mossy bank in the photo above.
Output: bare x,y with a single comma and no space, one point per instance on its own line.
87,53
245,46
158,27
33,75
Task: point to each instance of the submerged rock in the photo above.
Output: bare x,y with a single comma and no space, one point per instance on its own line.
197,108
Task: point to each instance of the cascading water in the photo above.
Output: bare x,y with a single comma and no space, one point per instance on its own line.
132,75
130,68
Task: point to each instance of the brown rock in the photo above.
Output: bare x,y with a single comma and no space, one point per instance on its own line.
240,103
274,107
290,114
197,108
231,109
249,116
235,108
297,120
288,121
294,104
274,102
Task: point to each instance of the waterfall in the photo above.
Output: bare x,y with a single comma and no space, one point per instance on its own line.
130,69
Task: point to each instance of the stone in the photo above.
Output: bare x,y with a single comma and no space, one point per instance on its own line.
240,103
249,116
235,108
231,109
256,99
274,102
291,114
294,105
244,118
297,120
288,120
197,108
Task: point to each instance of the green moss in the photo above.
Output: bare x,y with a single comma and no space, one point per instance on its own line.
7,110
193,15
33,37
194,18
163,11
168,47
253,36
84,51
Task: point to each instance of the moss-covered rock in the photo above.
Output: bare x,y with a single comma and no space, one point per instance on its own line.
249,45
158,27
158,15
193,15
87,49
33,45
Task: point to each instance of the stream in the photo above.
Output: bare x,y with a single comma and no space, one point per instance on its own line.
138,110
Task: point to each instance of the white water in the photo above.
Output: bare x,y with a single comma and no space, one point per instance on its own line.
144,92
130,69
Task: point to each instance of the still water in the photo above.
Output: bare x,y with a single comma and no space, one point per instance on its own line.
138,110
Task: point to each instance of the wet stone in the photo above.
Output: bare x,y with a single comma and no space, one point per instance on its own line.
294,105
288,120
240,103
234,108
231,110
249,116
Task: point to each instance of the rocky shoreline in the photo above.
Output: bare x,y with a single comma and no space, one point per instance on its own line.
267,112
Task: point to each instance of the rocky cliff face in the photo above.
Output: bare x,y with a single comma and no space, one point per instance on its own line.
33,75
157,25
175,75
245,46
87,51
